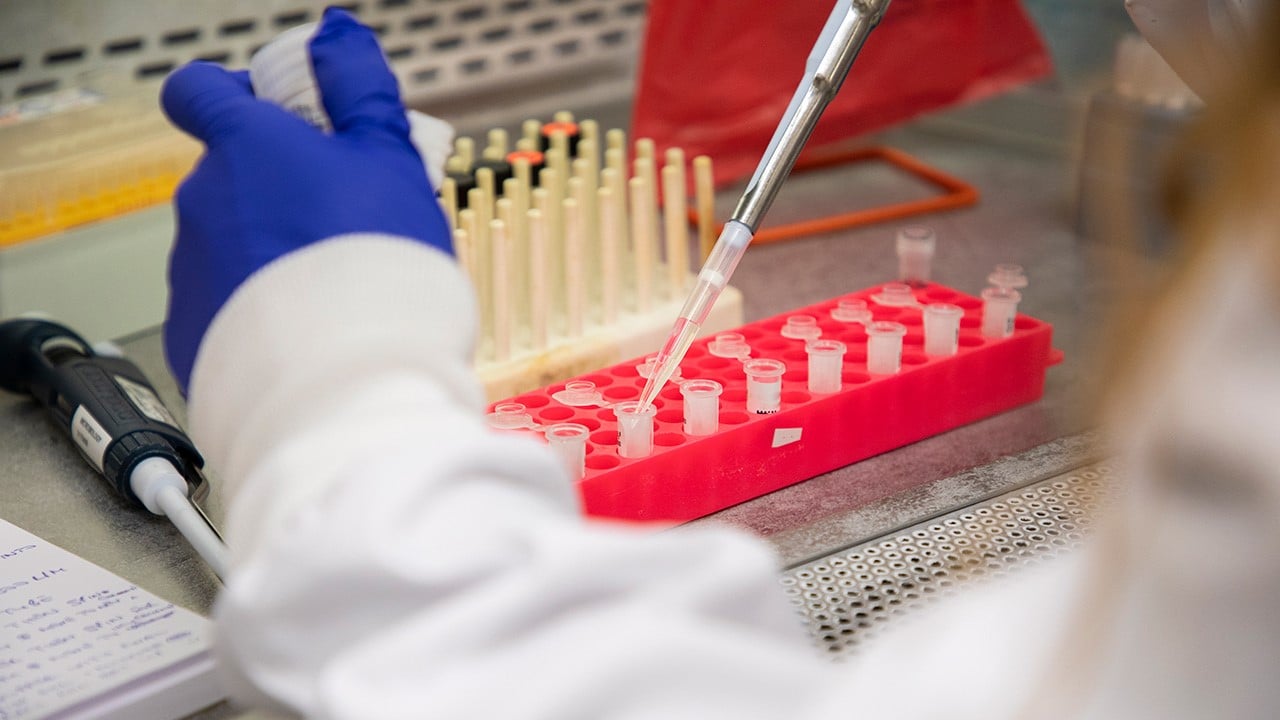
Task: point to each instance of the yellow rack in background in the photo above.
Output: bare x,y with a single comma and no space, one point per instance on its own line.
74,158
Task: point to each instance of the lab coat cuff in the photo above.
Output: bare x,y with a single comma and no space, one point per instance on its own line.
344,307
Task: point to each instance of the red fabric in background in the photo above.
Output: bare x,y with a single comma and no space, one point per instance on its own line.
717,75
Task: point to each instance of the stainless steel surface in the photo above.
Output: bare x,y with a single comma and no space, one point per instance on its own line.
829,62
851,595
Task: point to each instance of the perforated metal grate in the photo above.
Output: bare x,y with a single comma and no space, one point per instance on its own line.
849,596
437,47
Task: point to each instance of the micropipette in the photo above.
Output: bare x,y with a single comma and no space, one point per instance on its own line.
839,43
105,405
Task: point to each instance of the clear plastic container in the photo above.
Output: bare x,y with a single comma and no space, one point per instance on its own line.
851,310
510,417
569,441
635,428
826,360
942,328
730,345
884,347
701,406
579,393
999,309
764,385
801,327
915,246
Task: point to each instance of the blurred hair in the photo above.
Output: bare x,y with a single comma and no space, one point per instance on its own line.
1224,175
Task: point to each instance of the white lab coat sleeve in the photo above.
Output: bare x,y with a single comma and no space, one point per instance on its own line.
391,558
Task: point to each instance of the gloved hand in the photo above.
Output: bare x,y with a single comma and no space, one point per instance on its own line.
270,184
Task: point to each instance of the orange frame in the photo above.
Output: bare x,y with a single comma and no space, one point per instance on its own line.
956,193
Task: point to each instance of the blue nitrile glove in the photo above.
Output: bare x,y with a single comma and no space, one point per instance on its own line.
269,183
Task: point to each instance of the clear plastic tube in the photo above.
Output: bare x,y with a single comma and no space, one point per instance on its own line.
801,327
510,417
764,385
635,428
579,393
826,360
896,295
884,347
730,345
942,328
569,441
851,310
999,309
915,246
701,406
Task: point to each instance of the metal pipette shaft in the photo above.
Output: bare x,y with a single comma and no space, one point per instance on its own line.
839,43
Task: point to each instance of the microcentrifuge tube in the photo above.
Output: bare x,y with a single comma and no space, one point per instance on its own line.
764,385
999,308
510,417
826,360
896,295
569,441
701,406
635,428
578,393
801,327
650,364
851,310
884,347
1008,275
942,328
915,246
730,345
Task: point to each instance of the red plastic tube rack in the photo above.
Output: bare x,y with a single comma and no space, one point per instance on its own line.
687,477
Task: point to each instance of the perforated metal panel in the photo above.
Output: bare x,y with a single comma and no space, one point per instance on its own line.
849,596
438,48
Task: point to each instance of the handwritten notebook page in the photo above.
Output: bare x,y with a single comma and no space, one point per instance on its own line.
78,642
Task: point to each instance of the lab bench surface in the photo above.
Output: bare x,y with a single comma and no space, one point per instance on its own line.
1023,217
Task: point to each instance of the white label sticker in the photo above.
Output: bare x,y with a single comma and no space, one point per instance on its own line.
786,436
90,436
146,401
